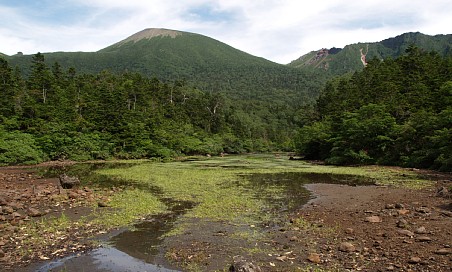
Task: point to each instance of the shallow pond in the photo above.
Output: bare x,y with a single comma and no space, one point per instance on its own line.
140,248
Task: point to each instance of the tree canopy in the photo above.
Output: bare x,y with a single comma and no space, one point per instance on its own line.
396,112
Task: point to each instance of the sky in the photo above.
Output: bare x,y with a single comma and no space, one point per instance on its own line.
278,30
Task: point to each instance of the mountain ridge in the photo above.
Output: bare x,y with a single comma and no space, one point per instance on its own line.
214,66
352,57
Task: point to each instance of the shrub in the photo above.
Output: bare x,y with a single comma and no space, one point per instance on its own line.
19,148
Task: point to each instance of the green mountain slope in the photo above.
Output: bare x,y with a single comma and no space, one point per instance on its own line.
336,61
201,61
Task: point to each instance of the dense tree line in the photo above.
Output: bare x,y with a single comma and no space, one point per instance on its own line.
394,112
55,113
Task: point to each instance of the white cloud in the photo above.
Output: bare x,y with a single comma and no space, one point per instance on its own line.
277,30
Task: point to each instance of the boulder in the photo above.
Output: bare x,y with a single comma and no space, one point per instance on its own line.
68,182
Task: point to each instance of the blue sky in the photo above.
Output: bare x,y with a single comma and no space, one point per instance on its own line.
278,30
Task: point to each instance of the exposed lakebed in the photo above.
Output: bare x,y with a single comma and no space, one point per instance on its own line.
142,247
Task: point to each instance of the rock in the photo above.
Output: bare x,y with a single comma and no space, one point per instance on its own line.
68,182
102,204
3,201
390,206
73,195
373,219
399,206
442,192
8,210
390,268
349,231
444,251
34,212
446,213
403,211
2,254
423,210
423,239
347,247
406,232
421,230
314,258
241,265
414,260
16,214
402,223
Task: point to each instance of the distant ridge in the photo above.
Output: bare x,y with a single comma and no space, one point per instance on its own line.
353,57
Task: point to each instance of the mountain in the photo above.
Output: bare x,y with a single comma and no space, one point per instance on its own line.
204,62
337,61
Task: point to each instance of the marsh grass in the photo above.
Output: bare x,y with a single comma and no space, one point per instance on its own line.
127,206
216,186
221,193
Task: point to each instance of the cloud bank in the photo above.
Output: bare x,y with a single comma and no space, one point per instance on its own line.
280,31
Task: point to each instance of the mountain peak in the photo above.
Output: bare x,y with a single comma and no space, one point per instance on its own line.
150,33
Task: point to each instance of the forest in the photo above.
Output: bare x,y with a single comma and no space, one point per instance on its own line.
58,114
394,112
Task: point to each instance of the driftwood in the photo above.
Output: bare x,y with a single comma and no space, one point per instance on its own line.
68,182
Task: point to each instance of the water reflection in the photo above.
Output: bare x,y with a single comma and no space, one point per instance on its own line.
295,194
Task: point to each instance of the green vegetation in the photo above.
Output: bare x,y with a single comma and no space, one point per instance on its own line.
128,206
394,112
200,61
218,188
59,114
166,97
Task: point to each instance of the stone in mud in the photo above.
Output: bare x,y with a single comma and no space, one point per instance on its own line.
347,247
406,232
314,258
3,200
241,265
399,206
442,192
102,204
373,219
403,211
402,223
414,260
423,239
34,212
424,210
16,215
349,231
444,251
8,210
421,230
390,206
68,182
